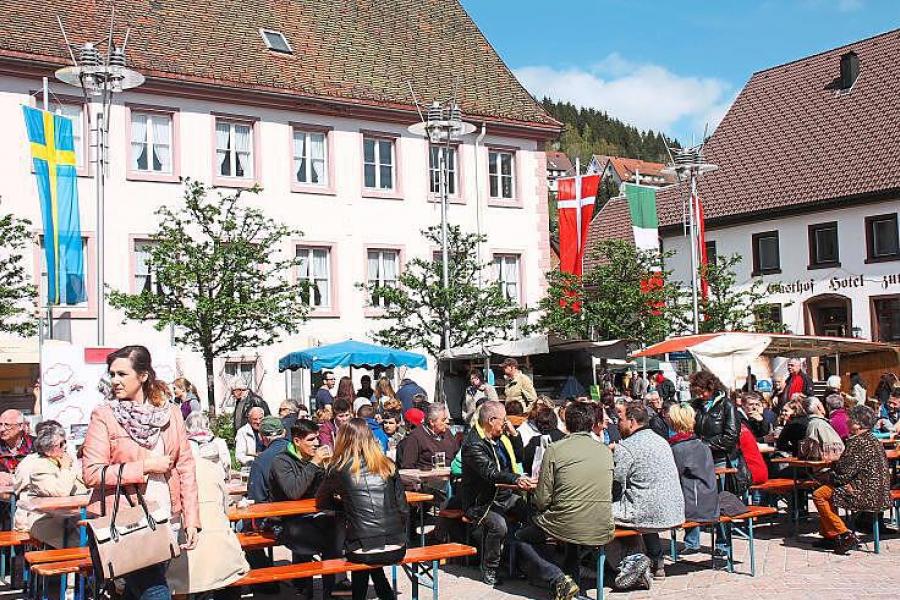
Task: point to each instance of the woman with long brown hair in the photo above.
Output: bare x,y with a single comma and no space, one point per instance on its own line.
345,390
139,429
385,397
374,504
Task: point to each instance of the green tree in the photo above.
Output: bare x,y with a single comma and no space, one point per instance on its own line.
418,305
17,294
627,295
729,308
221,278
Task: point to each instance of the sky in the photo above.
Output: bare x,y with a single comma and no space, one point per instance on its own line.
665,65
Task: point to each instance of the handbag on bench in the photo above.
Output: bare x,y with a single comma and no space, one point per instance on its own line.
130,538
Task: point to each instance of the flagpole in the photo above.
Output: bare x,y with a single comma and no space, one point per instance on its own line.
577,210
694,257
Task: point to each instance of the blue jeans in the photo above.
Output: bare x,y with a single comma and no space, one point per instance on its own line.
692,538
148,583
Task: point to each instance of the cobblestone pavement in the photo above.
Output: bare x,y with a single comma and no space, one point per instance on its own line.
788,568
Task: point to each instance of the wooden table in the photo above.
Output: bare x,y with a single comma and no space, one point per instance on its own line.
236,488
515,486
291,508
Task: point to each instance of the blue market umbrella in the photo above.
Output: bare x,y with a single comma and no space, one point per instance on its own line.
350,353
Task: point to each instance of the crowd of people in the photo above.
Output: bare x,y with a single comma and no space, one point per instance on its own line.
553,477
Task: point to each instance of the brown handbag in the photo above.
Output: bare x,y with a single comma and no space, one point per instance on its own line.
130,538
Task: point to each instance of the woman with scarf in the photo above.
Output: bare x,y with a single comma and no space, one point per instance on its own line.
139,430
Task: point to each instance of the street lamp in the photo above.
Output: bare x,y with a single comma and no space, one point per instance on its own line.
443,125
688,163
99,77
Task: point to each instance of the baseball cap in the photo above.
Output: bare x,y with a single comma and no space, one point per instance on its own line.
414,416
271,426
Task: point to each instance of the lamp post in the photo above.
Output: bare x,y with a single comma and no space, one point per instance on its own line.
688,163
100,78
442,126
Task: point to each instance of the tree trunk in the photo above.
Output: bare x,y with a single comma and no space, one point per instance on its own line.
210,384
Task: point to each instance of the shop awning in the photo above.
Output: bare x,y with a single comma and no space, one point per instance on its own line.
15,350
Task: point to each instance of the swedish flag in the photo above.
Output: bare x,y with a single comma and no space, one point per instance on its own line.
53,155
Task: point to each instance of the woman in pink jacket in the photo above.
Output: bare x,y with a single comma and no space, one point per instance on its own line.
140,429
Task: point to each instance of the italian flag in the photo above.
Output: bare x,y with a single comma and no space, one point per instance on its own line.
644,223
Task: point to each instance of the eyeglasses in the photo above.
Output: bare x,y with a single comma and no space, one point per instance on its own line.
10,425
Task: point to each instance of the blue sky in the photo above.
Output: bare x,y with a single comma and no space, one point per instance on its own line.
670,66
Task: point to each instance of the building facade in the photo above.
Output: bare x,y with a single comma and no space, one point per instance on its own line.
807,193
327,141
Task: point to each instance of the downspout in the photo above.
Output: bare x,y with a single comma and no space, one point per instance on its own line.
479,217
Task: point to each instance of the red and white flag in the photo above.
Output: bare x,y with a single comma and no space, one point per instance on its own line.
575,202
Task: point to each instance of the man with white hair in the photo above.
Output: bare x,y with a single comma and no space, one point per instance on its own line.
248,441
244,400
15,443
797,382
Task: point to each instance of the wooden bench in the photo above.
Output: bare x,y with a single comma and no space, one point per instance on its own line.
63,562
782,486
414,558
749,517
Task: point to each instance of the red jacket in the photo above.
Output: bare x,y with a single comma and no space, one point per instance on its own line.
752,456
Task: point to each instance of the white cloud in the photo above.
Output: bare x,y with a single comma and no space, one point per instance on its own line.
849,5
646,95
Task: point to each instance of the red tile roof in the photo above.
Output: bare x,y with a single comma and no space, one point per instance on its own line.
792,142
558,161
613,222
361,52
627,167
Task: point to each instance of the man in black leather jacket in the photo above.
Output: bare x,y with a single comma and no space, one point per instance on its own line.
296,474
490,452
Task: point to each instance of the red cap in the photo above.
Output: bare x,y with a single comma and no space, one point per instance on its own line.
414,416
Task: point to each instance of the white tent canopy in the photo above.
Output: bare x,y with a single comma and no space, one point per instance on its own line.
539,344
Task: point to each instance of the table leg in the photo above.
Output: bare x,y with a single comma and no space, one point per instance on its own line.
796,508
752,549
394,578
601,572
673,544
435,566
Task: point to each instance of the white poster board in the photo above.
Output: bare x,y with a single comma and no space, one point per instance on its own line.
70,382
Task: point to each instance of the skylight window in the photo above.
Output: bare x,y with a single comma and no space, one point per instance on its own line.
275,41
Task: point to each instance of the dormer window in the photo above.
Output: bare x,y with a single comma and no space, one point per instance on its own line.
275,41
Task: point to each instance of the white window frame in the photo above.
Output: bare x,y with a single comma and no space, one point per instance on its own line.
379,280
151,143
501,260
378,164
142,280
78,129
235,368
434,185
498,177
43,281
308,171
314,280
233,124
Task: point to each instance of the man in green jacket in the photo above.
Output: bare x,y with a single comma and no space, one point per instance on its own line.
574,503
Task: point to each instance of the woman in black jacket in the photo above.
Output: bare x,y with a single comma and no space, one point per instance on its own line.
718,423
374,505
545,422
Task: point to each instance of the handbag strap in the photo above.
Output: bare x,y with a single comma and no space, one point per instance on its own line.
115,511
103,471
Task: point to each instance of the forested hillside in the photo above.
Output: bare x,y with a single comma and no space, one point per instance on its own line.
590,131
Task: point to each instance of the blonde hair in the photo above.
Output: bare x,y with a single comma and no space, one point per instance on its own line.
355,446
682,417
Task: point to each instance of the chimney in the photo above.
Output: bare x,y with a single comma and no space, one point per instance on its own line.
849,70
